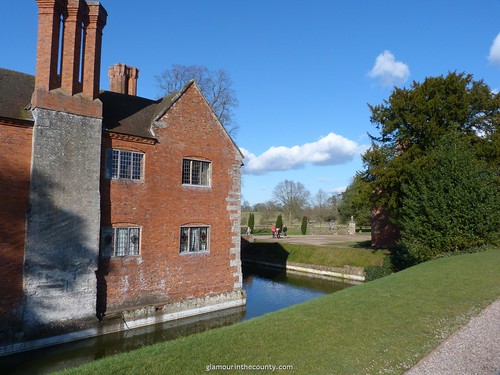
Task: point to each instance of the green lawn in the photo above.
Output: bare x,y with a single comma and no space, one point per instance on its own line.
358,254
383,326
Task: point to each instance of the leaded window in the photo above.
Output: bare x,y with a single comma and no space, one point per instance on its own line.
120,241
122,164
196,172
194,239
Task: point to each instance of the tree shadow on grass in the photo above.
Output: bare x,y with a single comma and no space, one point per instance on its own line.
363,245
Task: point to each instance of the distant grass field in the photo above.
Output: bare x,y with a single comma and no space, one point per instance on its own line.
381,327
358,254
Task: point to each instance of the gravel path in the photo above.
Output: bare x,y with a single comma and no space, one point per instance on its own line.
312,239
472,350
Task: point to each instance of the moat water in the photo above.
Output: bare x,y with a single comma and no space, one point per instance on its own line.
267,290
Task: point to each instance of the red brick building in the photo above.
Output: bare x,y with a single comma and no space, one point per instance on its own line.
115,207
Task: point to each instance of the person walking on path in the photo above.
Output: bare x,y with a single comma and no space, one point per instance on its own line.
284,230
273,230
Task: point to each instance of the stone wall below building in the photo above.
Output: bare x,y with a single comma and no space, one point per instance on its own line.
134,318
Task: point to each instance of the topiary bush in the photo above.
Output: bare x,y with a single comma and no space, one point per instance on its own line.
251,222
279,222
303,227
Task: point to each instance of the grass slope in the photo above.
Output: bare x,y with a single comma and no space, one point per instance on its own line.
383,326
355,254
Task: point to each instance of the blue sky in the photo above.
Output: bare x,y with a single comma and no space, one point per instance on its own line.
303,71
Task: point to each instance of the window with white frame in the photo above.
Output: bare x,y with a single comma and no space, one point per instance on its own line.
121,164
120,241
196,172
194,239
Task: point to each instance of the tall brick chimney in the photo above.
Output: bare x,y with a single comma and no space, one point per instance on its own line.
93,44
123,79
73,67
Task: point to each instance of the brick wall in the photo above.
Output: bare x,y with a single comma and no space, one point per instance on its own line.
384,233
160,205
15,160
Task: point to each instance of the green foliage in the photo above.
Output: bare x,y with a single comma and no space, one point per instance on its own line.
356,202
430,167
451,203
303,227
411,123
251,221
417,117
279,222
376,272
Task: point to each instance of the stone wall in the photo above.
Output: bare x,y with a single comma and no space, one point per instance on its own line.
62,239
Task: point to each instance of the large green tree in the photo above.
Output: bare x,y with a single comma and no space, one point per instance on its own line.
413,122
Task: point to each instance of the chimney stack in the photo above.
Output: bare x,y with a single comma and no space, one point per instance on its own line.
93,45
123,79
73,69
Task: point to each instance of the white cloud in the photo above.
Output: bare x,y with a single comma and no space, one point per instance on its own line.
389,70
494,56
332,149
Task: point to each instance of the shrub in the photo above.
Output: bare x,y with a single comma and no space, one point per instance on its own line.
303,227
279,222
451,204
251,221
376,272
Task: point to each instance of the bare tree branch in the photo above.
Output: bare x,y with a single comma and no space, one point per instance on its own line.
292,196
215,85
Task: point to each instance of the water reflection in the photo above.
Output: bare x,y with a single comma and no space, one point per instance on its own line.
268,289
272,289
